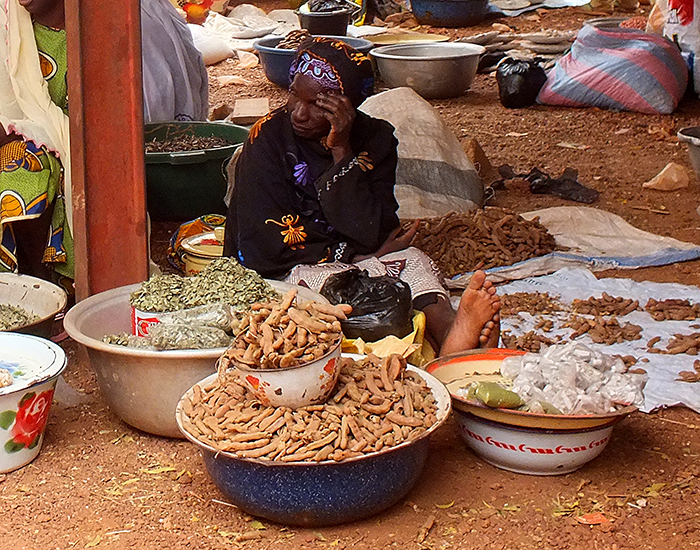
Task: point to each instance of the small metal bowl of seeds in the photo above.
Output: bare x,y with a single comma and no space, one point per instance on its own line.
287,353
28,304
348,458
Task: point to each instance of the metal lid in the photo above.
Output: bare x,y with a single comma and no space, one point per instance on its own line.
206,245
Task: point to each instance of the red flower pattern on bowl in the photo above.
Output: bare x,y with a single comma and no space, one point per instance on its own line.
31,418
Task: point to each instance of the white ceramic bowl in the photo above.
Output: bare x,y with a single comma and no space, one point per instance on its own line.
294,387
532,451
519,441
42,298
434,70
35,364
142,387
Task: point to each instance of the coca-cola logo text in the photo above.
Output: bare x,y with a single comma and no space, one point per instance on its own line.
525,448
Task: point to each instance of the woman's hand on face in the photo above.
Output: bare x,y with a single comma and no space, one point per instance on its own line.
338,110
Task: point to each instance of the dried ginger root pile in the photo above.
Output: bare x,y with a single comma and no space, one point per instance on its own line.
460,242
377,404
282,333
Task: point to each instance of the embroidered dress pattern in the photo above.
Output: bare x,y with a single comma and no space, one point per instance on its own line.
293,236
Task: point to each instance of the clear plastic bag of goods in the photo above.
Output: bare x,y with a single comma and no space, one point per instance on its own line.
574,379
164,336
216,315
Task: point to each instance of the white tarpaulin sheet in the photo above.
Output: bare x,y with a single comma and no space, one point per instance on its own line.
568,284
594,239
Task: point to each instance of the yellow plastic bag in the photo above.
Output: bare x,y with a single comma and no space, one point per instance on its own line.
413,346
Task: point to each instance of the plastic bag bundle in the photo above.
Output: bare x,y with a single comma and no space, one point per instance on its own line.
620,69
216,315
575,379
519,81
165,336
381,306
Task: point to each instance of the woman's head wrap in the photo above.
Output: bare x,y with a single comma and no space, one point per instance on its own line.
336,66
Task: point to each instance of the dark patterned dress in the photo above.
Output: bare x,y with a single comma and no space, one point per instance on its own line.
292,205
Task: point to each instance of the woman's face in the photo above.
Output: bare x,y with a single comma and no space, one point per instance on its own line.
308,120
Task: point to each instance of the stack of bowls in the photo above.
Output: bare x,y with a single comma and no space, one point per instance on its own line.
518,441
298,492
319,493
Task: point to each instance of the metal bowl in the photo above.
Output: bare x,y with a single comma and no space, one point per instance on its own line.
435,70
34,364
37,296
277,61
298,386
691,136
519,441
324,493
142,387
325,22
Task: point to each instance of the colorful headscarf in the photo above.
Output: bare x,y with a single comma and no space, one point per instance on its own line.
336,66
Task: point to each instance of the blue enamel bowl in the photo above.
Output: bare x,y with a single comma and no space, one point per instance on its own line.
277,61
452,13
311,494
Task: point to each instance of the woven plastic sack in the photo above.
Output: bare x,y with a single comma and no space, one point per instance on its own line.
619,69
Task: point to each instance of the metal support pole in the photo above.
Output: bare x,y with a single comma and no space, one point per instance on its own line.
105,97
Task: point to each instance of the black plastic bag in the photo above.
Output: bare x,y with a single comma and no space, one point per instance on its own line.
380,305
519,82
565,186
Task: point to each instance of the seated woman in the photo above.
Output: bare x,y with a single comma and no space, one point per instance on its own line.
35,200
314,194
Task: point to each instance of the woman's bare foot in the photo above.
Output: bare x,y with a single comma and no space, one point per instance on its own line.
491,333
477,322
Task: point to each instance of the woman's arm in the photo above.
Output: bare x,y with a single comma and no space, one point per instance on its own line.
267,226
357,194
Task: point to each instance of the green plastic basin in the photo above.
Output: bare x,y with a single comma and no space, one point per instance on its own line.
184,185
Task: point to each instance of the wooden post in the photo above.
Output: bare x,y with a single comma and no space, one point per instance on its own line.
105,97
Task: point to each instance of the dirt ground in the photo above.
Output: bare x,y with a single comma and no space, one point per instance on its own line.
99,483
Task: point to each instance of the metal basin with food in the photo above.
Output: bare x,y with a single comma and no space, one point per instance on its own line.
277,61
691,136
434,70
141,386
37,297
30,368
321,493
520,441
